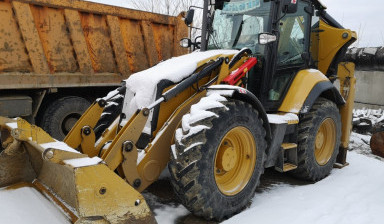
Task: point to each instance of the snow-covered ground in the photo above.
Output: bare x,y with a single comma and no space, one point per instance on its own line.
352,195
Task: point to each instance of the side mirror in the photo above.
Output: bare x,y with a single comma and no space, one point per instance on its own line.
290,6
189,18
266,38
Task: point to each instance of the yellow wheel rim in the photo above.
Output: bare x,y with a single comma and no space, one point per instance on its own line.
235,161
325,141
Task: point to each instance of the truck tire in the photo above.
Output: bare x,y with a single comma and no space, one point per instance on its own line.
111,111
216,166
318,141
60,116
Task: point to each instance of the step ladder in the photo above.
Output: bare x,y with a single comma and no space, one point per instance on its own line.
287,159
284,154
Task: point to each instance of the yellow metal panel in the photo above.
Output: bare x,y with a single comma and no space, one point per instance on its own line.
78,40
164,48
347,88
130,132
331,40
300,88
101,192
51,26
91,7
31,37
31,80
98,41
157,155
118,45
89,118
133,40
13,56
149,40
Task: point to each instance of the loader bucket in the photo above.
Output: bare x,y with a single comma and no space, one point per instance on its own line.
84,188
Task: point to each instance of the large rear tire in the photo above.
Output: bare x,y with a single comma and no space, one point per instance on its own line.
216,165
318,141
60,116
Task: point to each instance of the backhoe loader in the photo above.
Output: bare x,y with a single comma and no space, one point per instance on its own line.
258,94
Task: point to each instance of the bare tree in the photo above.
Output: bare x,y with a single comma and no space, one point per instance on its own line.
168,7
171,7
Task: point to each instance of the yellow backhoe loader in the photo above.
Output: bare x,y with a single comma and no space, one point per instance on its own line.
258,94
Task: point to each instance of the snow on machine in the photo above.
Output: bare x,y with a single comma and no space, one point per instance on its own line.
258,94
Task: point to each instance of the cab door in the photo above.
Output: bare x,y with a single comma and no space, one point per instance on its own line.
292,52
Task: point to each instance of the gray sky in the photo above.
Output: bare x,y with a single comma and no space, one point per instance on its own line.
364,17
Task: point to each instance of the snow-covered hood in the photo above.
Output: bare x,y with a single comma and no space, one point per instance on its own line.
142,86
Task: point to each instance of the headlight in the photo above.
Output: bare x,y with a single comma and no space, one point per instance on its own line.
185,43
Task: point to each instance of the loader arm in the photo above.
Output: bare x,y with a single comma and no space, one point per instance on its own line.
78,174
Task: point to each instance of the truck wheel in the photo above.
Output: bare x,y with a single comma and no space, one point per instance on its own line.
318,141
216,165
60,116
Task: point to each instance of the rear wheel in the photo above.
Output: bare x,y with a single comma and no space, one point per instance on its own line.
216,165
61,115
319,140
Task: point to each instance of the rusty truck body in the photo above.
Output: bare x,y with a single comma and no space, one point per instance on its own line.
57,56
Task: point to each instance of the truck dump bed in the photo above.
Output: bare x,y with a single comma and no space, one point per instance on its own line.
67,43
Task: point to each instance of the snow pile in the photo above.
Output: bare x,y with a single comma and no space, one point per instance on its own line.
82,162
142,86
376,116
352,195
282,119
367,120
58,145
198,112
12,125
26,205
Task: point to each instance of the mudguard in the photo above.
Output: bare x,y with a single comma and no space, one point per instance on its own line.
239,93
307,86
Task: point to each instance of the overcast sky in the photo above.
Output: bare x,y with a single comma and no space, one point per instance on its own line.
366,17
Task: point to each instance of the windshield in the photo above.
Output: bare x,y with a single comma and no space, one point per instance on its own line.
238,25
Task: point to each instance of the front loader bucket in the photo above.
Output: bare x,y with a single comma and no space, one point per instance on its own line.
85,189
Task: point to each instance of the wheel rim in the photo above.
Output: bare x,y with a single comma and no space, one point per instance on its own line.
325,141
235,161
68,122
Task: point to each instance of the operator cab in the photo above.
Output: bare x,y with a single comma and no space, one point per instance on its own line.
238,24
287,25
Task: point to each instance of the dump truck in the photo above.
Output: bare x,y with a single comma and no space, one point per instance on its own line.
58,56
259,94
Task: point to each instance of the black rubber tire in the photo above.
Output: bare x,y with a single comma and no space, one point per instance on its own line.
59,111
111,111
308,168
192,172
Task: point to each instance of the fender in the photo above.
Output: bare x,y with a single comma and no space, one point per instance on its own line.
239,93
307,86
324,89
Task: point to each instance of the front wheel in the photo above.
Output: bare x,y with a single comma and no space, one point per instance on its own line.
218,158
318,141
